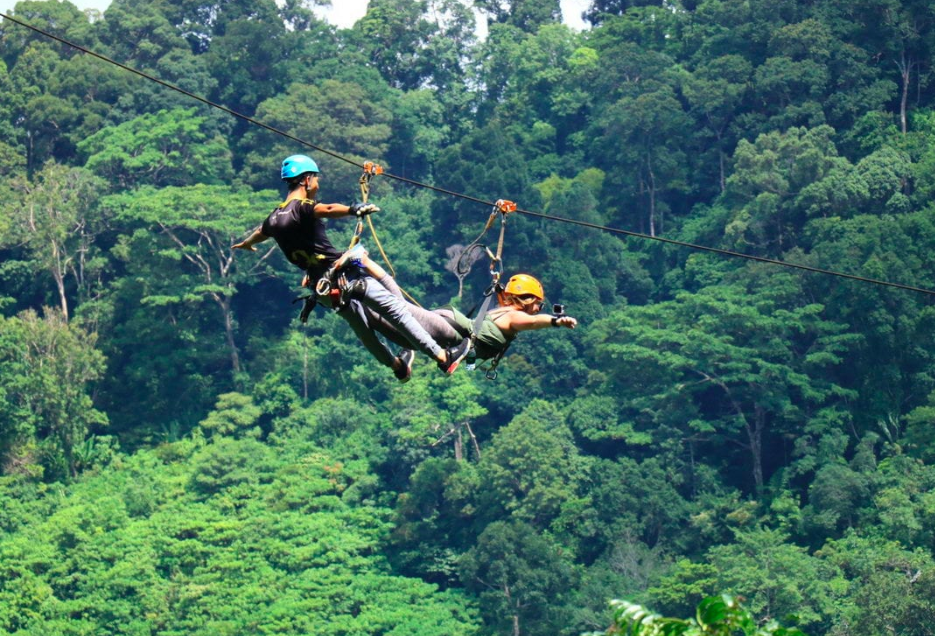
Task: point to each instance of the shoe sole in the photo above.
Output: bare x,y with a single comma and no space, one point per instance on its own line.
454,365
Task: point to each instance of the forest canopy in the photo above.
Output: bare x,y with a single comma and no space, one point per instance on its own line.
179,454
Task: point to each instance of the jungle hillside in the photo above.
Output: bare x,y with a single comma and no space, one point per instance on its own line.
181,456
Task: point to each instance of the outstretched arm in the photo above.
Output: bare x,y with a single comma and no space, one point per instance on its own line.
516,321
336,210
256,237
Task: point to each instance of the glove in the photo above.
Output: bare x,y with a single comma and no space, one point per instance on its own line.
363,209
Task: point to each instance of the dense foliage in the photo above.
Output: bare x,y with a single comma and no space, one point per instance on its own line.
179,455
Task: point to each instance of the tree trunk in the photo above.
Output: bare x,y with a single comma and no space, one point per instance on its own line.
905,70
473,439
225,304
509,600
459,445
652,197
62,298
755,437
305,367
721,163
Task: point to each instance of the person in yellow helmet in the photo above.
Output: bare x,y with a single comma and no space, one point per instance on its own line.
520,305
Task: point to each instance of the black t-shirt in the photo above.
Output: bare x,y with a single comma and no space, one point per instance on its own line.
301,235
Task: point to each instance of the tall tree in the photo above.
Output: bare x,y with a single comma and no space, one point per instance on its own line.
193,261
743,371
47,366
338,116
520,577
773,188
716,91
600,10
642,132
169,148
526,15
56,220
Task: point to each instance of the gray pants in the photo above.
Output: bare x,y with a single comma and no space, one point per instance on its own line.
432,321
380,306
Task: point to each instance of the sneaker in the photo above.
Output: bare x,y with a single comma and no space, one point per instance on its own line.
404,372
455,356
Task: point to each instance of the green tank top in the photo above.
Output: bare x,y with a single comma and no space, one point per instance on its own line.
491,341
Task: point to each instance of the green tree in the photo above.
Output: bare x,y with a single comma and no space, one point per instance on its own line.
599,10
57,222
716,91
903,34
395,36
641,131
520,577
234,415
169,148
777,578
338,116
756,365
248,60
892,362
772,189
887,587
531,468
47,367
527,15
437,410
39,119
196,226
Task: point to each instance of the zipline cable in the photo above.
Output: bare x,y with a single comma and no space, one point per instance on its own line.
230,111
460,195
177,89
715,250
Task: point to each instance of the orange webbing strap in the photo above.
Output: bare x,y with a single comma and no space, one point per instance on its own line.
502,207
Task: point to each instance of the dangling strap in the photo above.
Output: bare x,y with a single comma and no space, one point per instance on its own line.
310,301
502,207
479,318
370,170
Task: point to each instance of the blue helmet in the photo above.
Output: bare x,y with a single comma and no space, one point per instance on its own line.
297,165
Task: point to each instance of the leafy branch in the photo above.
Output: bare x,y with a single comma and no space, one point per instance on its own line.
715,616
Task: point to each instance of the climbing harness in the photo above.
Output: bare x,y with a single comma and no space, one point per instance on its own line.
333,285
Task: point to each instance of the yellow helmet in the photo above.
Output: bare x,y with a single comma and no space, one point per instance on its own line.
524,285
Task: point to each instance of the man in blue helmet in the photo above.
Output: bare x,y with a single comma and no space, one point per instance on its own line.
297,226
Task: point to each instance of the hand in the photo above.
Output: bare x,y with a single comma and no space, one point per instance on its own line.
243,246
566,321
363,209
